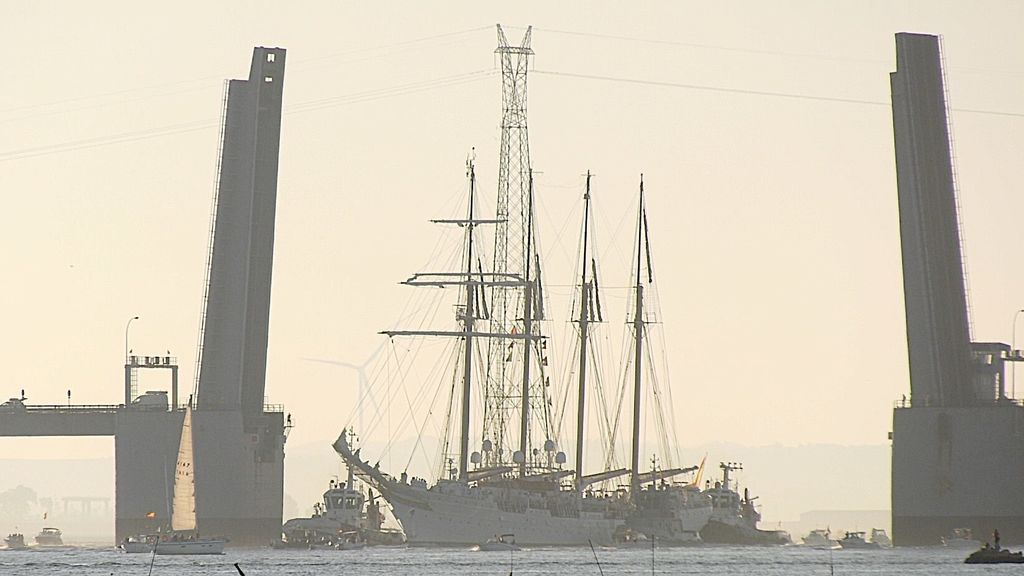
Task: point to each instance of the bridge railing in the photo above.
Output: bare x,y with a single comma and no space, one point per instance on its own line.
907,403
71,408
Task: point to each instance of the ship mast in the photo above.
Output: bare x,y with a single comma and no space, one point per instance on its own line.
584,322
524,423
472,282
638,333
467,324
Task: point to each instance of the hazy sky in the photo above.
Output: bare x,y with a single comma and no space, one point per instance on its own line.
763,130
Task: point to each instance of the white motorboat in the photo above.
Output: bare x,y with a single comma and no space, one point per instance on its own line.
499,543
142,544
961,539
856,541
49,537
820,538
878,536
15,541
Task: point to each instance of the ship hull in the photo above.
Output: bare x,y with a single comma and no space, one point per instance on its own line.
718,532
453,520
681,527
195,547
136,547
168,548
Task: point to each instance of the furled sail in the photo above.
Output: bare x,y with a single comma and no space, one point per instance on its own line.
183,507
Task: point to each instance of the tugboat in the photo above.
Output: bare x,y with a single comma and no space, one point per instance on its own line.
734,519
49,537
15,541
346,519
994,554
341,510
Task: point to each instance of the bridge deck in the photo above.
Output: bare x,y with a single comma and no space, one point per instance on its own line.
73,419
96,420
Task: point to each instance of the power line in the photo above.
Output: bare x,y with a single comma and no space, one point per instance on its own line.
398,90
654,41
751,92
106,140
709,88
711,46
215,81
309,106
422,86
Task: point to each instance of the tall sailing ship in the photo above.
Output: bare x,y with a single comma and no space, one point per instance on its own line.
517,482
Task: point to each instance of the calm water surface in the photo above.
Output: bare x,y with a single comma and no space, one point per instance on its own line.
709,560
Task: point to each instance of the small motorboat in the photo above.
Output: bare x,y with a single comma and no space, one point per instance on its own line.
15,541
856,541
632,539
504,542
994,555
49,537
878,536
820,538
141,544
961,538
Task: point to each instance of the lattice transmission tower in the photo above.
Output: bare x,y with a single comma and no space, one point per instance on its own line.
504,382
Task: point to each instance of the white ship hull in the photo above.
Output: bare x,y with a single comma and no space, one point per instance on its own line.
136,547
454,513
190,547
169,548
454,520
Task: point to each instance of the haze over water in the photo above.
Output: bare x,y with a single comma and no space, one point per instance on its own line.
751,561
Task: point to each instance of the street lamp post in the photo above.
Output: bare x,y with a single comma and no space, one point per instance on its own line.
128,369
126,327
1013,354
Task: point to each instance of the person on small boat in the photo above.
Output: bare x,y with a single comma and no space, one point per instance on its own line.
995,537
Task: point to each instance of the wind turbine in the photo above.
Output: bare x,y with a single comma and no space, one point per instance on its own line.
361,374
